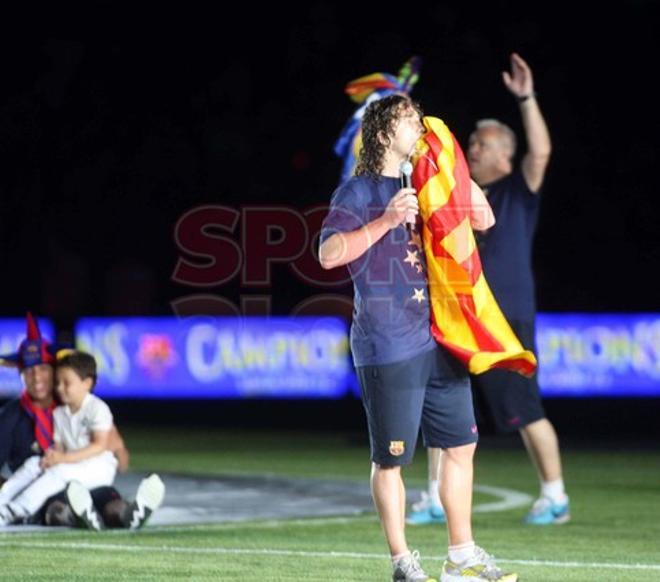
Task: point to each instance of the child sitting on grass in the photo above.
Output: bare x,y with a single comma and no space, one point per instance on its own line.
81,431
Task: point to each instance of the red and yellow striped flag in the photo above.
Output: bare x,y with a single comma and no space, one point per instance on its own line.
465,317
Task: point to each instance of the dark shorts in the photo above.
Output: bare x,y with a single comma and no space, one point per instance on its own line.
101,496
513,400
431,391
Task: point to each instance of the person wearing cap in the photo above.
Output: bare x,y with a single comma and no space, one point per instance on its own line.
26,430
81,429
26,423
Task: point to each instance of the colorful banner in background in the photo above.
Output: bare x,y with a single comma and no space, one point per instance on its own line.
207,357
12,333
599,354
580,355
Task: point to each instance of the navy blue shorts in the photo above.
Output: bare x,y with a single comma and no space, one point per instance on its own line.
513,400
100,497
431,391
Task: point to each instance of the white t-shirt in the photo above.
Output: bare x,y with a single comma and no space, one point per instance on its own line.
74,431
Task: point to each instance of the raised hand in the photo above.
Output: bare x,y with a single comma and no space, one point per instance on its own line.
519,81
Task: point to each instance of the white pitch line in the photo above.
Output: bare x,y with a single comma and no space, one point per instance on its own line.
509,499
582,564
297,553
27,531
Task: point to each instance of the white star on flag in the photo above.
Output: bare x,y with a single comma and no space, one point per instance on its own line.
419,295
411,258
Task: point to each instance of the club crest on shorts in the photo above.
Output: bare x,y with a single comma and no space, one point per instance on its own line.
397,448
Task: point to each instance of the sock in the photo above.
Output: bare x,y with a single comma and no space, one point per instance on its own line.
397,557
458,554
554,490
434,492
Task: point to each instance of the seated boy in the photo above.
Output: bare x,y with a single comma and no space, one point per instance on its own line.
81,434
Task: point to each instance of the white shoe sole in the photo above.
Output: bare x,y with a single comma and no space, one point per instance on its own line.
149,497
151,492
82,505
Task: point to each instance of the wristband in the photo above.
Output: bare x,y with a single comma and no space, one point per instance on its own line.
523,98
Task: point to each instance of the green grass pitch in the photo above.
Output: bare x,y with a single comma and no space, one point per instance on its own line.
615,502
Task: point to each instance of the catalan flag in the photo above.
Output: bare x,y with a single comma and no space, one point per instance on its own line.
465,317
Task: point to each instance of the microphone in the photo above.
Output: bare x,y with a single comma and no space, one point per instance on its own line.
405,175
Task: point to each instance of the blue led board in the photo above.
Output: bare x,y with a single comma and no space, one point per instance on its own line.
599,354
223,357
581,355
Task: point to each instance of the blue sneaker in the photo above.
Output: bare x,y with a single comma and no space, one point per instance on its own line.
425,511
546,512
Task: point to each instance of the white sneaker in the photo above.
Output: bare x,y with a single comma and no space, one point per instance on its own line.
149,497
481,566
82,505
409,569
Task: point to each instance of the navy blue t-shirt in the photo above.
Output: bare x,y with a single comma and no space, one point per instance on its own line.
506,248
391,316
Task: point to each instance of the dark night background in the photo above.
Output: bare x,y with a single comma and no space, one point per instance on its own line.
117,119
